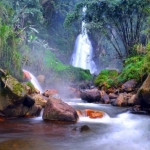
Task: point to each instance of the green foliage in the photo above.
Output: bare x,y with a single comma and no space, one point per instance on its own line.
64,72
136,67
133,69
120,21
106,78
9,53
60,38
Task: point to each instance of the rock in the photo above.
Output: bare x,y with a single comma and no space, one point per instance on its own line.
90,113
91,96
30,88
129,85
50,92
104,97
121,100
57,110
131,100
28,101
143,95
15,111
113,96
35,110
84,128
80,129
40,100
17,89
12,92
94,113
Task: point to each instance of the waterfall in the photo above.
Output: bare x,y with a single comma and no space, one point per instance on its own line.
82,56
34,81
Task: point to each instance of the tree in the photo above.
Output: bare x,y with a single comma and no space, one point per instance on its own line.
118,20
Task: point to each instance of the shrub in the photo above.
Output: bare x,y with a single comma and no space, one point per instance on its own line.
106,78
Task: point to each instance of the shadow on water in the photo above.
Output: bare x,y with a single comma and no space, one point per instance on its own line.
120,131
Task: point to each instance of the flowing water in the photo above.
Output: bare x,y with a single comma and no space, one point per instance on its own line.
82,56
35,82
118,130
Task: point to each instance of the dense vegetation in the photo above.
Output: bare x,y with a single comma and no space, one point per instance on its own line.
24,43
39,36
125,25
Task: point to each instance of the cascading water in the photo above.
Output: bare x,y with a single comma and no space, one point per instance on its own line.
34,81
82,56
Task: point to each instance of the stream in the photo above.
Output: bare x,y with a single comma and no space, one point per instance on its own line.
118,130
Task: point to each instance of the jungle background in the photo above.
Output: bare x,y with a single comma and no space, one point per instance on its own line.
39,35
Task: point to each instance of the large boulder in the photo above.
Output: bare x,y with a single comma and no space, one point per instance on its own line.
12,92
57,110
91,96
17,89
143,94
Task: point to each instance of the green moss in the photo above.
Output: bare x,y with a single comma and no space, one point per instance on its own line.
15,86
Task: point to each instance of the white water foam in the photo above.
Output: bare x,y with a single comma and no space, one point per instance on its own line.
35,82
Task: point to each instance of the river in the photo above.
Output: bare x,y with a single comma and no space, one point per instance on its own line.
119,130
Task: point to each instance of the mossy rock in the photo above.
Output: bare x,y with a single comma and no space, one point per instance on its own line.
14,86
106,78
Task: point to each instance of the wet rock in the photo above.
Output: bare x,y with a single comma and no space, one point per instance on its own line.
91,96
90,113
129,85
40,100
80,129
94,114
85,128
57,110
35,110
